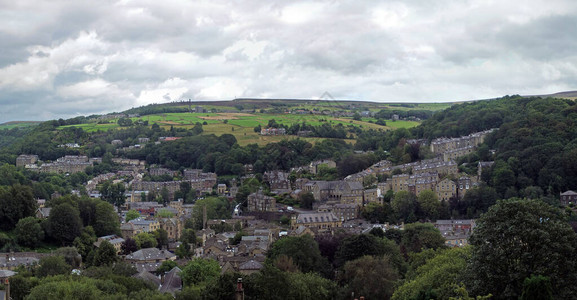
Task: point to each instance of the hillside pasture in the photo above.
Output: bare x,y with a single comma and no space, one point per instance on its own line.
242,125
11,125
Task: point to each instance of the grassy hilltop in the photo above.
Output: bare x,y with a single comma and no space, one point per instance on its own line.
240,117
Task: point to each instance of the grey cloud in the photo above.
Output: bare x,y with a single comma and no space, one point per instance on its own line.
109,56
551,37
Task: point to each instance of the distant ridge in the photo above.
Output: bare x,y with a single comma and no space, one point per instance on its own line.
567,95
336,100
21,123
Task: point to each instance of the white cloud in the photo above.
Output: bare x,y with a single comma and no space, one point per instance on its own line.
110,56
93,89
170,90
221,89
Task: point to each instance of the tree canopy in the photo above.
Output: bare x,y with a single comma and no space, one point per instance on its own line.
304,252
64,223
516,239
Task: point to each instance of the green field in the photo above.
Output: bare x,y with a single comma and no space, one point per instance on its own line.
11,125
93,127
242,125
419,106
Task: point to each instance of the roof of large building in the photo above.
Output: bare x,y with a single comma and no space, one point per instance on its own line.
150,254
318,217
251,265
148,277
172,281
338,185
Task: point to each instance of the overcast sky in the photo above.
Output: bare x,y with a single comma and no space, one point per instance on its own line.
60,59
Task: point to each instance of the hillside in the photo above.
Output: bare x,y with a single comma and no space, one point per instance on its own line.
240,117
534,146
195,154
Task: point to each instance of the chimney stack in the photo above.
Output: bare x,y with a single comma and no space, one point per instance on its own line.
7,287
239,295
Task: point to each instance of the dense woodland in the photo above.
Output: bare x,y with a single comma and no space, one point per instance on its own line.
523,246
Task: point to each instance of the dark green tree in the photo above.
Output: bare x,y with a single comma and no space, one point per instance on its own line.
377,213
537,288
166,266
183,251
419,236
145,240
29,232
161,237
429,204
106,219
71,256
85,242
125,122
304,252
403,205
105,255
200,271
371,277
436,276
113,193
516,239
53,265
64,223
164,195
367,244
16,202
306,200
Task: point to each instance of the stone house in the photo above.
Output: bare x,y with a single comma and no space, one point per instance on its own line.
149,258
136,226
446,189
250,267
26,159
483,165
115,240
464,183
314,166
260,202
421,185
277,180
322,221
343,212
43,212
372,196
336,191
173,228
568,197
161,172
221,189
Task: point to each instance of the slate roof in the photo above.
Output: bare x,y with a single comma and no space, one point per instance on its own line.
148,277
150,254
113,239
251,265
7,273
317,217
148,267
172,281
45,211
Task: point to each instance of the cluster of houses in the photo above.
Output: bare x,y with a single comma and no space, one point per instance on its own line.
67,164
337,204
273,131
